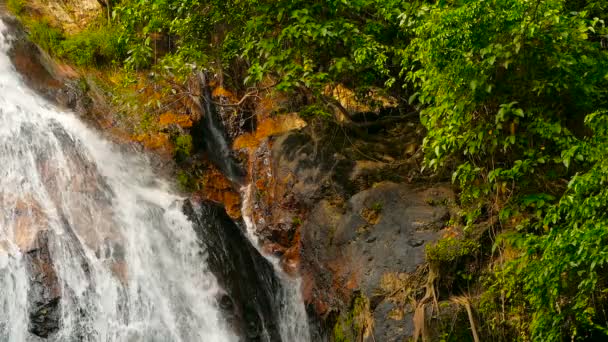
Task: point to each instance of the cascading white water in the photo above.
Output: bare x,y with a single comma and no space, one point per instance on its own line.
293,320
126,265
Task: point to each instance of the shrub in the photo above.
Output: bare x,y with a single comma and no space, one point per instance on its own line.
94,46
98,45
449,250
15,6
46,36
183,147
186,181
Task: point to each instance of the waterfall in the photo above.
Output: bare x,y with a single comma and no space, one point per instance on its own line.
291,314
293,320
213,132
93,246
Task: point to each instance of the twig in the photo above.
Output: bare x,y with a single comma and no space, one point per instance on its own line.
238,104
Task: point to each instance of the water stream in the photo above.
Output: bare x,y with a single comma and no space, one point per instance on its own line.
93,246
293,320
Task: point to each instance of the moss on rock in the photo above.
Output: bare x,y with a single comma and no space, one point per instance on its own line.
355,324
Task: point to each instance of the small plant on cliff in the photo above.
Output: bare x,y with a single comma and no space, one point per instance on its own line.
448,250
16,6
46,36
355,324
186,181
96,46
183,147
373,213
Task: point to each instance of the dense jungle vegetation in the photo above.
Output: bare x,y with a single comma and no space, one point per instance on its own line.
513,94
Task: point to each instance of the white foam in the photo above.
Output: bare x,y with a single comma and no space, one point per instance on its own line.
293,320
127,259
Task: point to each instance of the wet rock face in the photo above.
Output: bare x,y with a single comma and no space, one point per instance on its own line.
70,15
56,82
251,286
355,238
310,166
44,294
210,133
357,246
63,86
291,173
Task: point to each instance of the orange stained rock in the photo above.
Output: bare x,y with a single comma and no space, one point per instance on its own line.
308,285
320,306
246,140
170,118
261,184
223,92
449,232
352,282
269,127
270,100
232,201
158,141
32,69
291,258
104,123
311,296
348,99
219,189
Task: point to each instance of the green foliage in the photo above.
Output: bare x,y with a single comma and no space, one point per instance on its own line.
507,88
450,250
93,46
503,83
311,44
97,45
147,119
140,56
15,6
353,324
563,273
46,36
189,23
315,111
302,45
377,207
183,147
186,181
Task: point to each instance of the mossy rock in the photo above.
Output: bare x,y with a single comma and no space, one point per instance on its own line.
355,324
